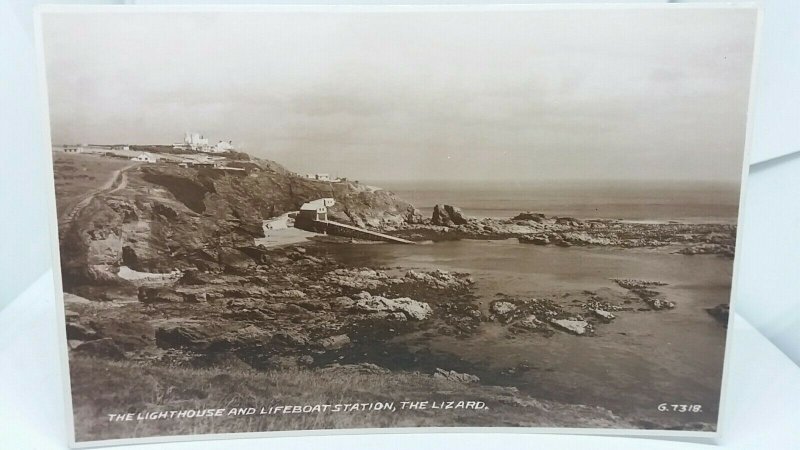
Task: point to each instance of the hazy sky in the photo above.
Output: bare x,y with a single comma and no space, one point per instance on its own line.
592,94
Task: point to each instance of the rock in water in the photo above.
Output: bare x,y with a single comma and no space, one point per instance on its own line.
530,322
413,216
579,327
413,309
456,215
534,239
448,216
502,308
440,216
527,215
603,315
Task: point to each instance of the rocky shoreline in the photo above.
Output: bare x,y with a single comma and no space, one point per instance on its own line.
165,273
299,307
449,223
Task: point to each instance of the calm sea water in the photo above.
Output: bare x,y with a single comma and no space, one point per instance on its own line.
640,360
679,201
630,366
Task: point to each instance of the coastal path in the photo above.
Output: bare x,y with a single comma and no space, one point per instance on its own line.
118,180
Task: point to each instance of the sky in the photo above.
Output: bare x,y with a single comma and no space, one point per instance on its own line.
648,94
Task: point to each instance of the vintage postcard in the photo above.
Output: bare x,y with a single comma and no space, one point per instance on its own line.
290,219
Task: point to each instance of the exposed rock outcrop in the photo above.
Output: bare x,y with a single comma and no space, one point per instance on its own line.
412,309
536,217
439,279
644,290
448,216
457,377
159,295
574,326
103,348
708,249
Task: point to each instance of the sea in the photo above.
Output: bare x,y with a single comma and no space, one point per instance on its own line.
640,360
690,202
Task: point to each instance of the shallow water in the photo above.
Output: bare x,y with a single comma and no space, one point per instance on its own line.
629,366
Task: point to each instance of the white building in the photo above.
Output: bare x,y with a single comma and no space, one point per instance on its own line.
145,157
222,147
316,209
195,141
319,176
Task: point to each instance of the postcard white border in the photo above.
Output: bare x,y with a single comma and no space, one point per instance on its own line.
696,436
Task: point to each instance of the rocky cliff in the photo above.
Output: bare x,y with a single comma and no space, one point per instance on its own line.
164,217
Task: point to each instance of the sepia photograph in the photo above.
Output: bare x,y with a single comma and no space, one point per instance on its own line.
359,218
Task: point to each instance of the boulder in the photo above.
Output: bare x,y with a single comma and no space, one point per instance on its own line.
559,240
643,290
158,295
177,336
234,258
502,308
439,279
413,216
357,279
531,322
457,377
193,277
448,216
102,348
194,297
293,293
364,368
124,208
536,239
568,221
412,309
659,304
246,337
334,342
527,215
636,284
290,338
77,331
603,315
574,326
709,249
583,238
